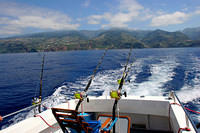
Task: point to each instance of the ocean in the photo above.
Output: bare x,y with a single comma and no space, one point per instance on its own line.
154,72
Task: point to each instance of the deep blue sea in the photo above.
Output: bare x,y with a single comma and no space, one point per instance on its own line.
155,72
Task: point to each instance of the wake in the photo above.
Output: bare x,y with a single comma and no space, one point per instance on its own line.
161,72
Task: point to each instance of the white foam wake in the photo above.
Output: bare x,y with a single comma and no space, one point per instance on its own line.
161,73
105,81
190,93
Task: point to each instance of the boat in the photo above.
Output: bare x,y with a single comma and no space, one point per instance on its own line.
137,114
117,113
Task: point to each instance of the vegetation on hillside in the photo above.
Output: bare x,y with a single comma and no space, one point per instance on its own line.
82,40
192,33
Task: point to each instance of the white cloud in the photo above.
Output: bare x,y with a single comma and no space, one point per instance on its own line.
4,20
178,17
130,11
9,31
197,12
126,12
169,19
54,23
185,9
86,3
130,6
95,19
119,20
146,14
20,17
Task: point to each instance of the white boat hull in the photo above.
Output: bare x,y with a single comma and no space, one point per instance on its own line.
150,112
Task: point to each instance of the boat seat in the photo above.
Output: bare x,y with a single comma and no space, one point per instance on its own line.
69,120
122,123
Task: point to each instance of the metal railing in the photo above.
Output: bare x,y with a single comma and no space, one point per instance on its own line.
20,110
187,115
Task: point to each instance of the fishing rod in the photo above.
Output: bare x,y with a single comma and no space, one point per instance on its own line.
35,99
41,77
117,94
83,95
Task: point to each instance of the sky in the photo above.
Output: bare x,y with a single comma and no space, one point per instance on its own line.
32,16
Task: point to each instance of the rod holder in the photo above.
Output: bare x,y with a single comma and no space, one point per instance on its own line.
172,96
125,94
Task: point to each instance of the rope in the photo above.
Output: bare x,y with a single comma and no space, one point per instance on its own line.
183,129
192,110
188,109
180,129
46,121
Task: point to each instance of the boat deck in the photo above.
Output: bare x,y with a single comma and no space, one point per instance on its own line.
152,113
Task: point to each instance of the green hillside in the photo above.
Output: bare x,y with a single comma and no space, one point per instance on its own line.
164,39
100,39
116,39
192,33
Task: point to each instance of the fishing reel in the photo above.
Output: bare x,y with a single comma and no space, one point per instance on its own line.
81,96
36,100
119,81
116,94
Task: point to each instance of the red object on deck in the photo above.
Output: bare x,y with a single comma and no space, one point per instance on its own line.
1,118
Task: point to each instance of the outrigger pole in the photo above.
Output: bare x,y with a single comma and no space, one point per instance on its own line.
117,94
83,95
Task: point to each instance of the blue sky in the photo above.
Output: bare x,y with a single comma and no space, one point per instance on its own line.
30,16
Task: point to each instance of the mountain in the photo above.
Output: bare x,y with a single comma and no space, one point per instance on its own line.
164,39
50,41
192,33
100,39
91,34
116,39
139,34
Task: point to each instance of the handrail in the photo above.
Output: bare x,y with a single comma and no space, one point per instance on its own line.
20,110
188,116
